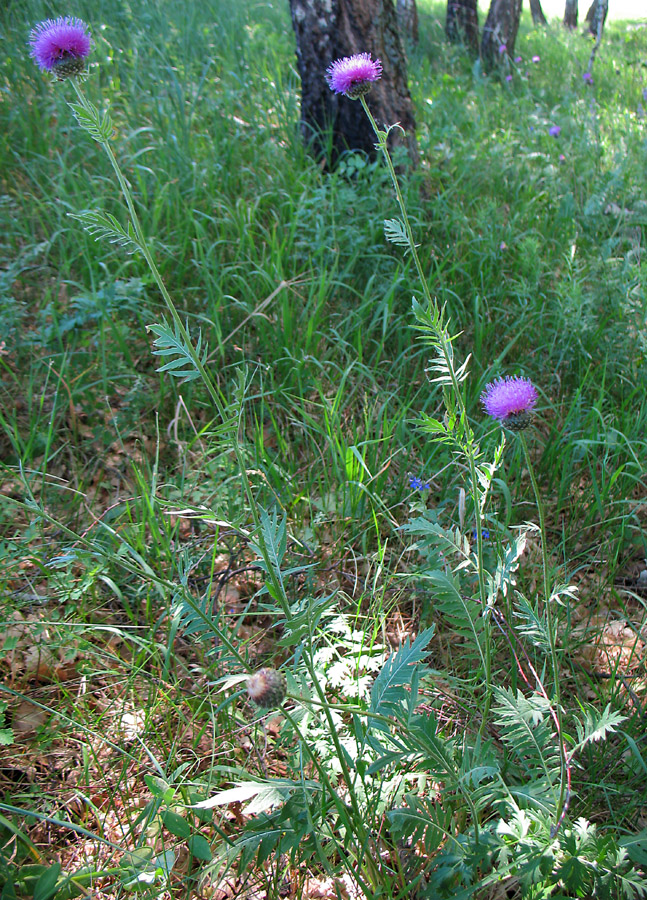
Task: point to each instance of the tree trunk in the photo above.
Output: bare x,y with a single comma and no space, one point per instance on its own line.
327,30
500,30
596,16
570,14
462,24
407,15
537,13
600,9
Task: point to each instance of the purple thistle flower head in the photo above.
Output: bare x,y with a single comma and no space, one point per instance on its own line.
555,130
353,75
61,46
511,400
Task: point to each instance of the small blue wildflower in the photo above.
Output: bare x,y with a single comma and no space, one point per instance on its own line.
417,484
485,534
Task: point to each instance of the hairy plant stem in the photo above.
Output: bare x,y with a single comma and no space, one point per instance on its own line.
550,624
146,253
353,825
218,401
467,444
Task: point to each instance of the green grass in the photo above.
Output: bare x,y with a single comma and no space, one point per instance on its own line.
535,245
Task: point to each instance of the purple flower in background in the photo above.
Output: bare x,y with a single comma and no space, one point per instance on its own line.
417,484
536,59
554,130
61,45
588,78
562,158
518,59
353,75
502,49
508,77
511,400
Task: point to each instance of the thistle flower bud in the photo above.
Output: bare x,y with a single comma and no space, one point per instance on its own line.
267,688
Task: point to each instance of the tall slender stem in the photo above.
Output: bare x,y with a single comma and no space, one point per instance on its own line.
214,393
550,623
446,349
352,825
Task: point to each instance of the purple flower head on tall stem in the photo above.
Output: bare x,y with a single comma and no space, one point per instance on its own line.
353,75
61,46
511,400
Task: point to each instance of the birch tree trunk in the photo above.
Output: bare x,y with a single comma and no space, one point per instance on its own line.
597,16
570,14
500,29
327,30
462,24
537,13
407,14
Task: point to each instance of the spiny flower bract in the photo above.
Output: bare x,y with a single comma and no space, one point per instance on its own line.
511,400
61,45
353,75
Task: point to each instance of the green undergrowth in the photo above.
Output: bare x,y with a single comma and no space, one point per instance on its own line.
134,579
